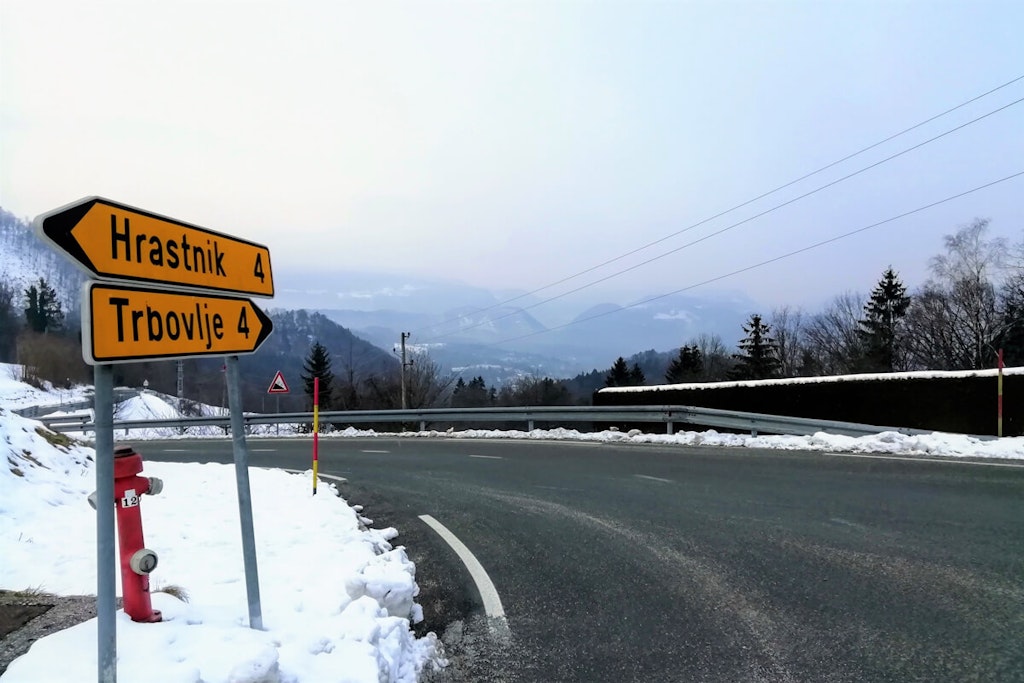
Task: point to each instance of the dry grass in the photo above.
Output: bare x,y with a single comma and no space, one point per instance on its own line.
175,591
55,438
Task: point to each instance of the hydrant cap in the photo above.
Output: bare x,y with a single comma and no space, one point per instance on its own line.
123,451
143,561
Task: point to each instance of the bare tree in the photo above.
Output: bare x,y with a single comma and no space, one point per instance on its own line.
426,386
717,359
1011,308
955,322
787,325
831,337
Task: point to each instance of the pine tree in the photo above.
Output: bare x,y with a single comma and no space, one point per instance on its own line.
688,366
9,322
879,329
759,358
636,376
318,364
618,376
621,375
42,308
471,395
458,399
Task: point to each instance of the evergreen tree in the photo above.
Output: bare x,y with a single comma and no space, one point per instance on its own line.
621,375
758,357
42,308
879,329
636,376
318,364
688,366
618,376
9,322
459,394
471,395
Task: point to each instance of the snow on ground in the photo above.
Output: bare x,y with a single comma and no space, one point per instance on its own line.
14,393
862,377
338,599
150,406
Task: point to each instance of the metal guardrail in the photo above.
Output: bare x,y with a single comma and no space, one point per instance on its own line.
670,416
64,406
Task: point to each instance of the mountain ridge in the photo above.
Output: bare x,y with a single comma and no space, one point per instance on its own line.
467,329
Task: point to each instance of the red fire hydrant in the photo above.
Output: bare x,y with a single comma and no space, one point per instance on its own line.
137,561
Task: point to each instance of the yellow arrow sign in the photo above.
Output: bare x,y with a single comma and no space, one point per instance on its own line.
121,324
119,242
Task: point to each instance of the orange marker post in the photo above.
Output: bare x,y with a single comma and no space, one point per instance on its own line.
316,427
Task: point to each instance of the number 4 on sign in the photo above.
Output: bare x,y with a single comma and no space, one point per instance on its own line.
278,386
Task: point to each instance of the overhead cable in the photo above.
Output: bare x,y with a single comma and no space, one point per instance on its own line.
741,205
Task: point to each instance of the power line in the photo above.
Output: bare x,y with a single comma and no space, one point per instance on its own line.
734,225
736,207
830,240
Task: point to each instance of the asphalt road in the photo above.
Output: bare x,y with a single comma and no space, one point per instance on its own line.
647,563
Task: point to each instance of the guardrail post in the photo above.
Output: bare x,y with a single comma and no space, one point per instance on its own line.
423,425
529,425
668,428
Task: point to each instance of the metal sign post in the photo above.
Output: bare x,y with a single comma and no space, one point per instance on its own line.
106,578
122,324
241,452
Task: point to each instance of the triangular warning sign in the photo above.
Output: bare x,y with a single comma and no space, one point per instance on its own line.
278,386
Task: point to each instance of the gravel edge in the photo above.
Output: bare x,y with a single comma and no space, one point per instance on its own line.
67,611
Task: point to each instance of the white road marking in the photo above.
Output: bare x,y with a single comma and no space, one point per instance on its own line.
489,595
844,522
950,461
175,450
487,457
340,480
263,450
370,451
663,481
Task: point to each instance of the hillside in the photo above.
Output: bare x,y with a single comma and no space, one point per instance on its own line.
24,258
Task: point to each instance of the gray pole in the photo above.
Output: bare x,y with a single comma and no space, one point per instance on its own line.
252,579
106,578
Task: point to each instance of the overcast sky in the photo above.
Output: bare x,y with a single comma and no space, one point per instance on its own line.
511,144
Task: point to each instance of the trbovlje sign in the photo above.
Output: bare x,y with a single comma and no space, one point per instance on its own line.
122,324
184,311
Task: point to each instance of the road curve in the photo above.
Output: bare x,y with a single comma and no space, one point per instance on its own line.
650,563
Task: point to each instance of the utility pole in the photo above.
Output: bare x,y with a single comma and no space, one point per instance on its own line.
181,385
405,335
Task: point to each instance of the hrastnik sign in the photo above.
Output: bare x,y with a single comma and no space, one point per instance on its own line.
190,273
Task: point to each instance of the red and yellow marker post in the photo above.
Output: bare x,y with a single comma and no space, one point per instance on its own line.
316,427
999,400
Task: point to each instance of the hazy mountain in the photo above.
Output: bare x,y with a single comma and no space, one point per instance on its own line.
466,329
24,258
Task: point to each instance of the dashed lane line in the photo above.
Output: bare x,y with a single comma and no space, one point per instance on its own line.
487,457
366,450
650,478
